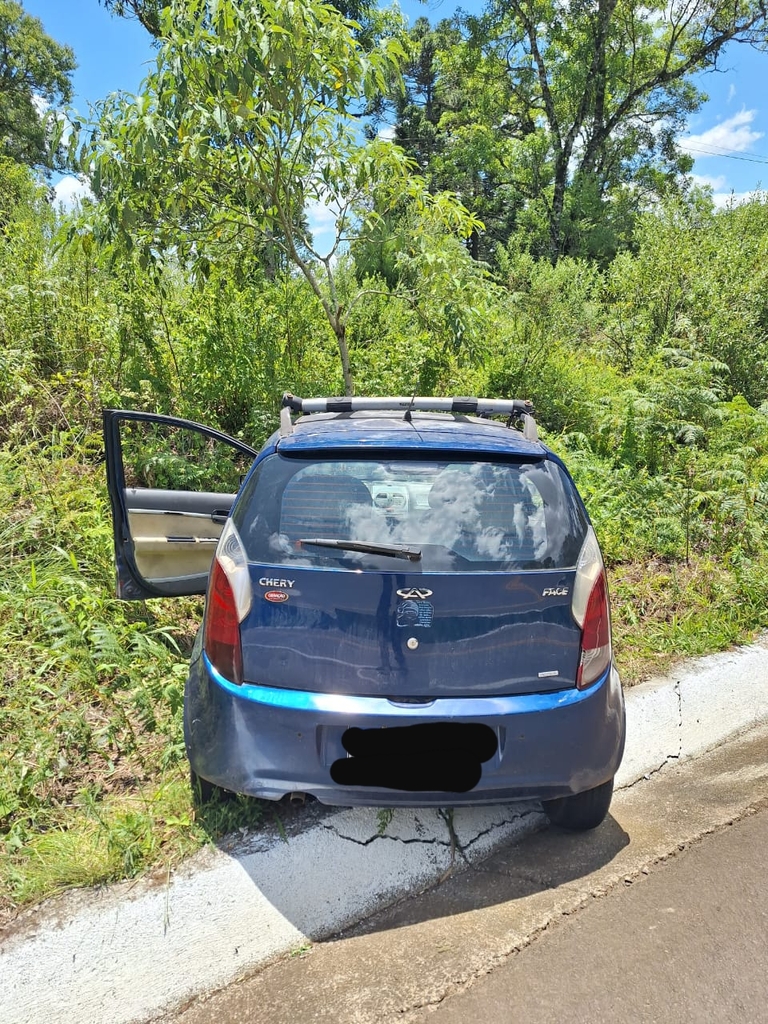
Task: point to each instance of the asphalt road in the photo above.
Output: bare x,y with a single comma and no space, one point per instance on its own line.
688,943
661,914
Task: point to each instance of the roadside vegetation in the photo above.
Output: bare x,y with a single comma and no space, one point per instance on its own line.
636,319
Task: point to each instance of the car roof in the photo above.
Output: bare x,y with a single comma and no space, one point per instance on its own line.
423,432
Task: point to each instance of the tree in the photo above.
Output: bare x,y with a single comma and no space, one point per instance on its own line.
558,122
147,12
608,85
150,12
452,118
421,104
35,74
248,117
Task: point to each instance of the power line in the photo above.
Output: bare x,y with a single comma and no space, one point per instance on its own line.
723,155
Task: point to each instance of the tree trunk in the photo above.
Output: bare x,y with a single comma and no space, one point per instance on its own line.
473,244
556,211
340,330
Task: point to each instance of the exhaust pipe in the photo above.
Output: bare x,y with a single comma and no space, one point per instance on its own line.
297,799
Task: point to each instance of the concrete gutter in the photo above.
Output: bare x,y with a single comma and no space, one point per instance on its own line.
129,952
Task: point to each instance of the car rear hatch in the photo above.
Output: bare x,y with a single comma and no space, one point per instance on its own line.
478,603
408,635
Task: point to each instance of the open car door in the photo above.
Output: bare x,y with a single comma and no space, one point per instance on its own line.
171,486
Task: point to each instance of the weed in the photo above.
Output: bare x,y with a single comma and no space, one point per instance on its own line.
301,951
279,825
384,817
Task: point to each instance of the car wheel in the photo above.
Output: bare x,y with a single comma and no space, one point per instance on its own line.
581,811
205,792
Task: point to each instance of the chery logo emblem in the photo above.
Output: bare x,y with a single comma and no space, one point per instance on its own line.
414,593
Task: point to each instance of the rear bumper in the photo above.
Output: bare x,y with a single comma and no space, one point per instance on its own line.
268,742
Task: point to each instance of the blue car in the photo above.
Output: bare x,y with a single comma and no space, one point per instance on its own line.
406,603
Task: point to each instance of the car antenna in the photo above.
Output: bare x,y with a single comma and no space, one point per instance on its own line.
409,411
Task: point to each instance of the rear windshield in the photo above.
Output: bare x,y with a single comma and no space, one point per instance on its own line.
463,516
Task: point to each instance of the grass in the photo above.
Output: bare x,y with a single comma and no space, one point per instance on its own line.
93,779
107,839
666,611
101,841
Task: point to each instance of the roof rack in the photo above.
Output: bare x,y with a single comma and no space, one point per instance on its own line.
513,408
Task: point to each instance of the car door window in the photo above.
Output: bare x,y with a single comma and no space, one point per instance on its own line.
160,456
172,484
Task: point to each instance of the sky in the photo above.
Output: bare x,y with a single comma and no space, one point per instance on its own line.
728,137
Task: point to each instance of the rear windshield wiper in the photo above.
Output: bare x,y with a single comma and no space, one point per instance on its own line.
391,550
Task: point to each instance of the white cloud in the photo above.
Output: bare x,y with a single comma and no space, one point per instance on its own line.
731,92
707,181
322,219
387,133
731,136
723,199
71,189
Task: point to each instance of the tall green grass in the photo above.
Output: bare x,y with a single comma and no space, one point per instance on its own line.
93,780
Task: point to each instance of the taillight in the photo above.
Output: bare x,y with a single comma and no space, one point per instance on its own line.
589,606
228,602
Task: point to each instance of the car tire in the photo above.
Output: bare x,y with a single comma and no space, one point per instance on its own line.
582,811
205,792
